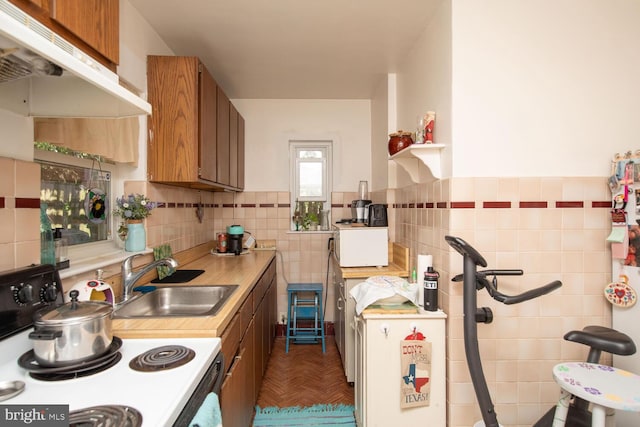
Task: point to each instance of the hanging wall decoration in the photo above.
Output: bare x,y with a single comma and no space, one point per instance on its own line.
95,203
415,369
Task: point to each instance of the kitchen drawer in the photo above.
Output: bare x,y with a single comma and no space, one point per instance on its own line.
259,291
231,340
271,271
246,313
263,285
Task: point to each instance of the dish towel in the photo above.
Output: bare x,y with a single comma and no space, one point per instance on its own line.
378,287
160,252
209,413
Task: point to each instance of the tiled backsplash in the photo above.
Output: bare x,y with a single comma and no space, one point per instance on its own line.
19,213
552,228
266,215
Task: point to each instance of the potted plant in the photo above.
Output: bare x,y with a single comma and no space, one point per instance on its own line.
310,221
133,209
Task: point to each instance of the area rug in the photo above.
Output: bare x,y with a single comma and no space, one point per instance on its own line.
316,415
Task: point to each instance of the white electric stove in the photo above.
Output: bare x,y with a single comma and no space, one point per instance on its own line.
159,396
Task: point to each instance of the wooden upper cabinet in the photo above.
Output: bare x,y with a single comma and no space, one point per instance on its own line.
191,128
43,4
240,162
208,124
91,25
233,146
97,22
173,144
223,135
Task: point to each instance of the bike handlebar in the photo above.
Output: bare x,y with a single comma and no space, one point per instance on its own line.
525,296
485,273
481,277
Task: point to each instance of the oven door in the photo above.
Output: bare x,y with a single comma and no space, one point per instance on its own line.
211,382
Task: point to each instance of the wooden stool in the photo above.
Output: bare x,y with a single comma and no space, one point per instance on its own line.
301,306
603,386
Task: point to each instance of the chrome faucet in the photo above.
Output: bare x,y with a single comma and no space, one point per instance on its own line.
130,278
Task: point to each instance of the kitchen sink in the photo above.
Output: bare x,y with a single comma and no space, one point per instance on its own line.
181,301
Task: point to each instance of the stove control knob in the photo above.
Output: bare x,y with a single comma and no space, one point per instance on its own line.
23,293
49,293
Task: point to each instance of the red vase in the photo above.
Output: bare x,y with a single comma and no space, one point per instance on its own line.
399,141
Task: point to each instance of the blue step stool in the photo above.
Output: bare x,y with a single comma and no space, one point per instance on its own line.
305,303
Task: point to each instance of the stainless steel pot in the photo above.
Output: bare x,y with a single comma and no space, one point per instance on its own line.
72,333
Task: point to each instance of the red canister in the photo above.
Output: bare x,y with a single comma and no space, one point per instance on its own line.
222,242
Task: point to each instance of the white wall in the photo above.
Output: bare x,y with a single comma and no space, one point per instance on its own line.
424,84
544,88
379,138
137,40
270,124
16,138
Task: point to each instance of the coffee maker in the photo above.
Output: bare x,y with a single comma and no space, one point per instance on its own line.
360,207
235,233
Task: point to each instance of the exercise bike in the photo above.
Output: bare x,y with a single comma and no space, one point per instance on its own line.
598,338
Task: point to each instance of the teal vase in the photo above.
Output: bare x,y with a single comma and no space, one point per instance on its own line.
136,237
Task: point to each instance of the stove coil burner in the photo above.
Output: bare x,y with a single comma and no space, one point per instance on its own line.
160,358
106,416
73,373
75,370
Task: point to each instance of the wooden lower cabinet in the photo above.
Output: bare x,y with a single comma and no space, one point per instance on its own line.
236,395
251,352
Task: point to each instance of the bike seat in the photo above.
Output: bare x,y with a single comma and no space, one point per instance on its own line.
604,339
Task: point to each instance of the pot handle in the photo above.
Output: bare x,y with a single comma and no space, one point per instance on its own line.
45,335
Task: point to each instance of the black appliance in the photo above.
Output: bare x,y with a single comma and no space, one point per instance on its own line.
377,215
23,291
235,244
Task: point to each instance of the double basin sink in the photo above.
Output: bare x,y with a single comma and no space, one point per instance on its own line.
176,301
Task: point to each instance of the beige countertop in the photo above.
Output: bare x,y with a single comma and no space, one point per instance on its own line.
364,272
243,270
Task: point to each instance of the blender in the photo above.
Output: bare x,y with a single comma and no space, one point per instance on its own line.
359,207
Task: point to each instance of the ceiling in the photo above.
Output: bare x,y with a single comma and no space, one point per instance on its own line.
292,49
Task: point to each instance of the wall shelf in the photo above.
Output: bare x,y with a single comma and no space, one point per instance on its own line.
427,154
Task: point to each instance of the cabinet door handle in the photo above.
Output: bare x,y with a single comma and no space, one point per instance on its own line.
236,359
339,304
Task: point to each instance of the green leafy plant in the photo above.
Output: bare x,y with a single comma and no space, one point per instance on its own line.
133,206
308,220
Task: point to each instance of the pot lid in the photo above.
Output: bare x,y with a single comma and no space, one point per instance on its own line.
73,312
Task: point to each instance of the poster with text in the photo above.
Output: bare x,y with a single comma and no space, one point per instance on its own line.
415,365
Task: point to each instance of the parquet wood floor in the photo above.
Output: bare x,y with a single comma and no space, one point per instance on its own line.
304,376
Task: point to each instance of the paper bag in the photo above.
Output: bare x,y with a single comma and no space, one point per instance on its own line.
415,363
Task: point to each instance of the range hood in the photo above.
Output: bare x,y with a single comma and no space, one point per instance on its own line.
43,75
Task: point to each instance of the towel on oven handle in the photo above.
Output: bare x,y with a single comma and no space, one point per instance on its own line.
209,413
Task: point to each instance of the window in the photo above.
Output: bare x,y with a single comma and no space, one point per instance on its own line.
310,182
76,190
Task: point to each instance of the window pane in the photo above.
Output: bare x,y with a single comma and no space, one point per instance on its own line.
310,154
310,179
76,199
